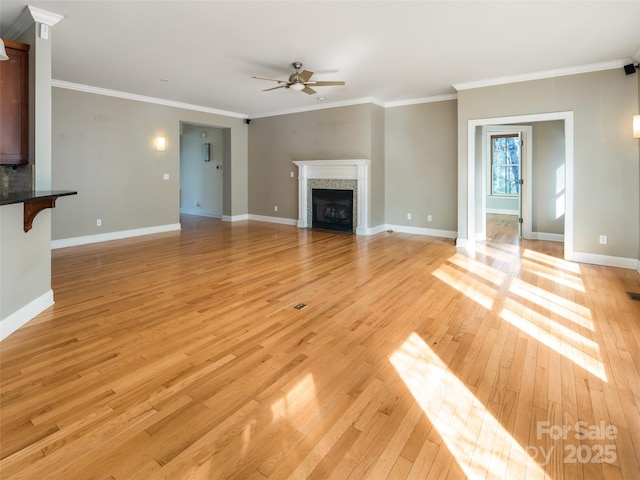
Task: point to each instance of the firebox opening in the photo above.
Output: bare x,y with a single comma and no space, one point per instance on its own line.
332,209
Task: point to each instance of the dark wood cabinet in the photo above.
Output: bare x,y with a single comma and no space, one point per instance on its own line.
14,105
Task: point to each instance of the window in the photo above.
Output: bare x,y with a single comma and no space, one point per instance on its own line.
505,164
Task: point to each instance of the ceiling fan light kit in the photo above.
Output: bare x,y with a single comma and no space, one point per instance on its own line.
300,81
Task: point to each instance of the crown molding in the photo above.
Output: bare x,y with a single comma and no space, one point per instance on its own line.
323,106
360,101
43,16
27,17
417,101
142,98
561,72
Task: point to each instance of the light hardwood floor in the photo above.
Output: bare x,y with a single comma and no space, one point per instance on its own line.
181,356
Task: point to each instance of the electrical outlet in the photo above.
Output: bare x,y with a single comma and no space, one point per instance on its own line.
408,216
603,239
99,222
275,208
165,176
429,218
291,174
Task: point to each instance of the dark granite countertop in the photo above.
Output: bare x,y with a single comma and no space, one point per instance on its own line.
20,197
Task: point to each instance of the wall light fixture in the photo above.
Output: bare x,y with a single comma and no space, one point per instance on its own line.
3,52
160,144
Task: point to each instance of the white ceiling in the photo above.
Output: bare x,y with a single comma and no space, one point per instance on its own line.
205,52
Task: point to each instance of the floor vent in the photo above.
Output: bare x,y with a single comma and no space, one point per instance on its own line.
300,306
634,296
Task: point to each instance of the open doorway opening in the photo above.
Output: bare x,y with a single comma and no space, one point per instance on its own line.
561,181
202,151
506,193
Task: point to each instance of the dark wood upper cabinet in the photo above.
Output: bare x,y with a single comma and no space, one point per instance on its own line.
14,105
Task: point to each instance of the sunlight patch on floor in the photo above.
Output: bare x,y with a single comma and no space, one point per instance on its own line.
580,350
490,274
551,261
482,448
551,273
566,308
301,396
474,289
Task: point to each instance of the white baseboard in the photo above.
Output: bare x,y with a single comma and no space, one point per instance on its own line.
422,231
105,237
200,213
235,218
606,260
280,220
31,310
550,237
376,230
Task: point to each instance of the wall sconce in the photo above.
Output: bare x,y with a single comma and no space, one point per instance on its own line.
160,144
207,152
636,126
3,52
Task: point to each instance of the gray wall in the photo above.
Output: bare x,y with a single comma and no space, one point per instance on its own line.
334,133
201,182
103,148
421,165
606,191
25,275
547,169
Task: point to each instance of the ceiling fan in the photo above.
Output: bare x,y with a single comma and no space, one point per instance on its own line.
299,81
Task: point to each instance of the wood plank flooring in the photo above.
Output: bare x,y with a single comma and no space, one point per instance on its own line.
181,356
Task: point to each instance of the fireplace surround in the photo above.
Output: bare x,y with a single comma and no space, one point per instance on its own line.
334,174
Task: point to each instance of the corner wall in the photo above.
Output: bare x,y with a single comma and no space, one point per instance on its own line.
606,190
103,149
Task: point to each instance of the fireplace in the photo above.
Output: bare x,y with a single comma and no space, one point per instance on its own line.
350,175
332,209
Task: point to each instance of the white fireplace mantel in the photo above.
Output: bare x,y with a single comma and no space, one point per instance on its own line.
357,169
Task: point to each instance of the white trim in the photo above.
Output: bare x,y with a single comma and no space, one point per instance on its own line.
470,179
320,106
349,169
525,199
279,220
235,218
43,16
376,230
549,237
106,237
422,231
606,260
416,101
359,101
29,15
142,98
31,310
200,213
561,72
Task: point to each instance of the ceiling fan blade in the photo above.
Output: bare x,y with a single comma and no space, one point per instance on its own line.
325,84
305,75
274,88
270,79
309,91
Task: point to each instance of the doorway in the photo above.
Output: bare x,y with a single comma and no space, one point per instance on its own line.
474,215
507,168
202,153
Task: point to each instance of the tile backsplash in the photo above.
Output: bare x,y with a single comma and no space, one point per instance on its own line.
18,178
